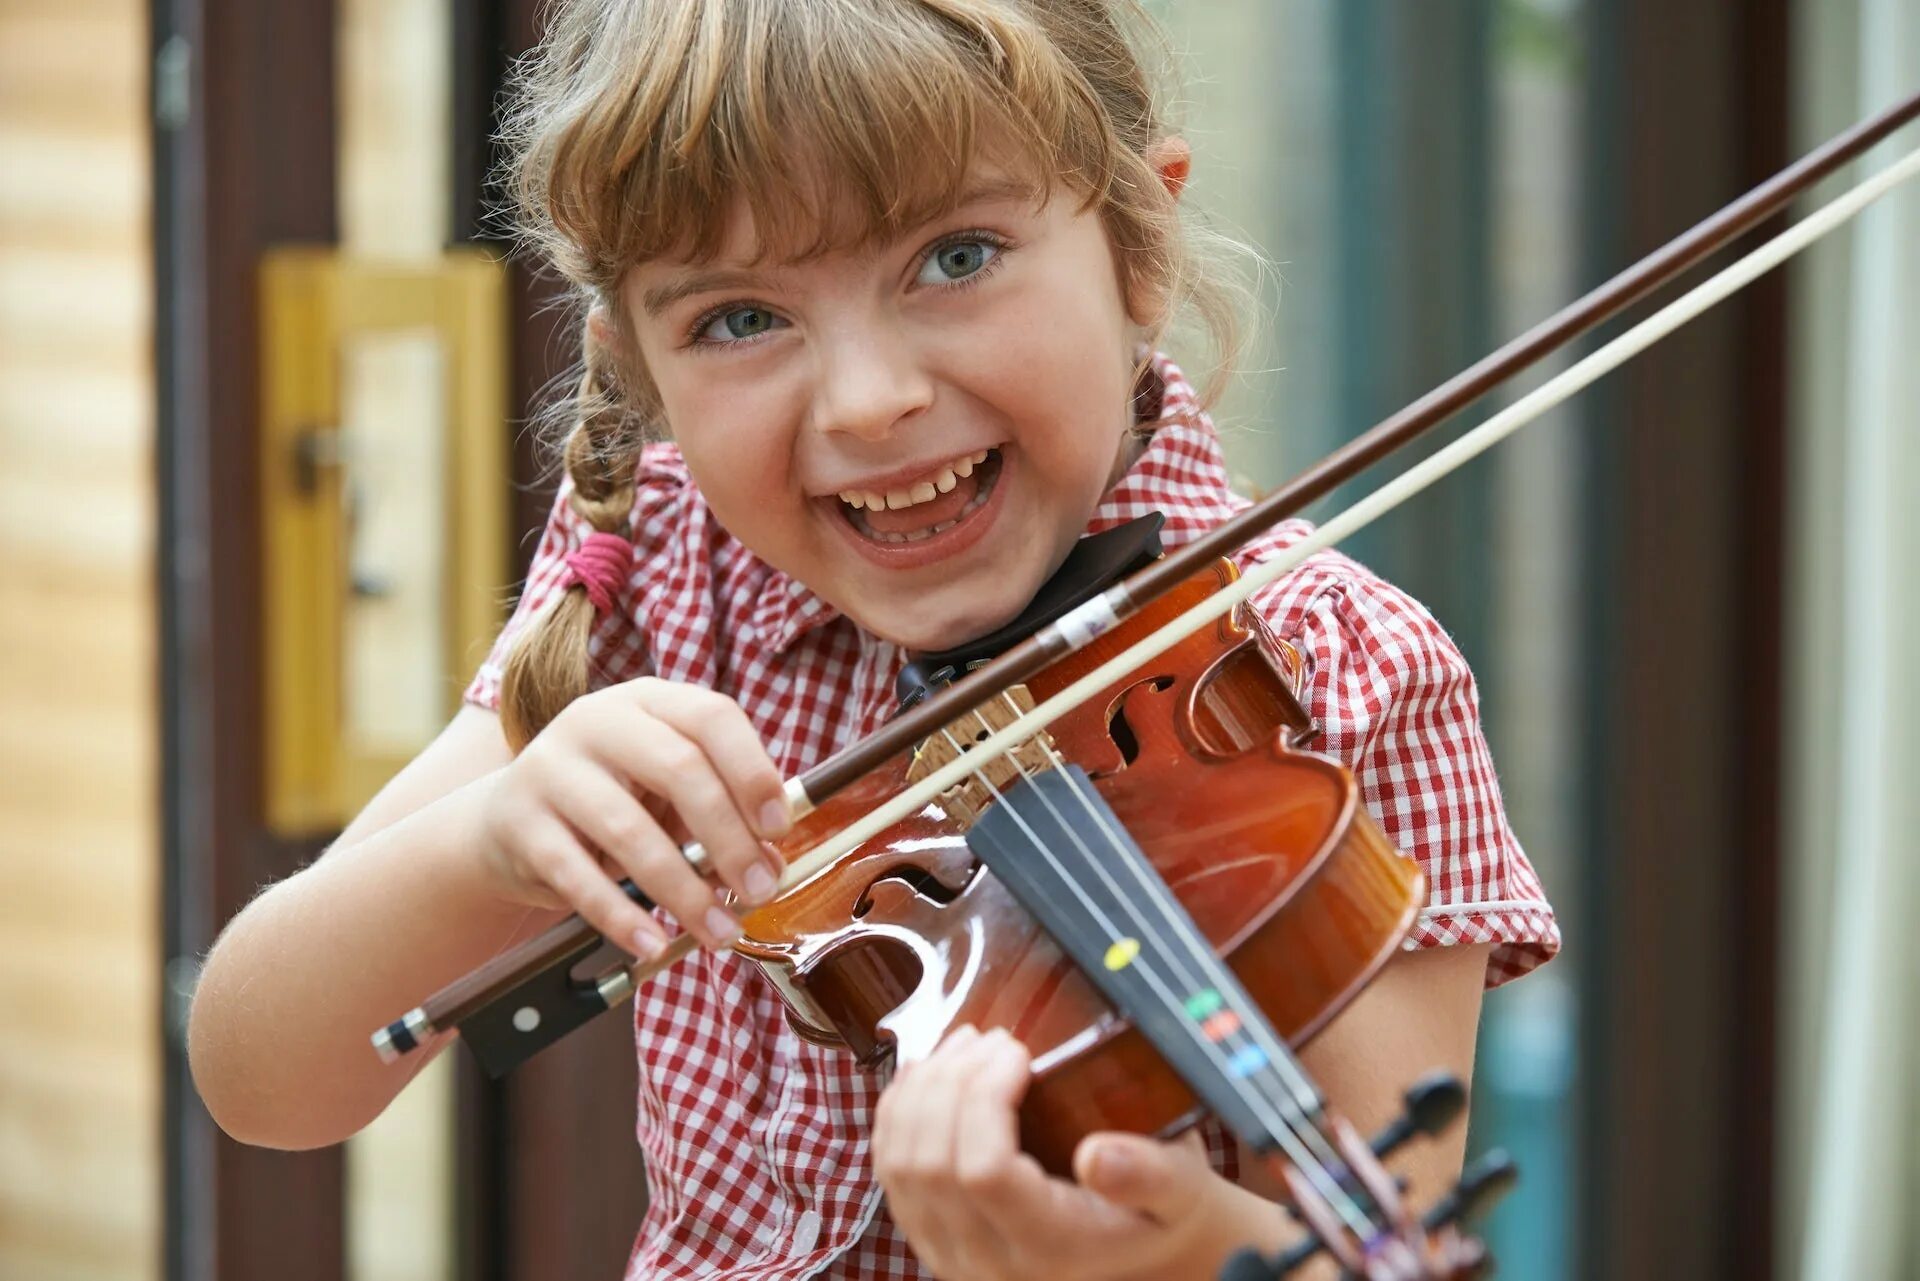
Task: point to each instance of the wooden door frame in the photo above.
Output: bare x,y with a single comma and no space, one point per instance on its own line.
243,157
1688,107
554,1184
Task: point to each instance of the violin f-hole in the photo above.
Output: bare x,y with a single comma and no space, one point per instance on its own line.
921,882
1120,730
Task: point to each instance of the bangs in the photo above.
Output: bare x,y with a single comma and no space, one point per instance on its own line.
838,124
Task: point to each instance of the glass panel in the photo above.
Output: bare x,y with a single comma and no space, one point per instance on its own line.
394,75
393,437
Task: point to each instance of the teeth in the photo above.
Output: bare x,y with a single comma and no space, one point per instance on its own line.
916,535
923,491
854,499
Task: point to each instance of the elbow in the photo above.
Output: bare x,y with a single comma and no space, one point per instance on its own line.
250,1089
256,1112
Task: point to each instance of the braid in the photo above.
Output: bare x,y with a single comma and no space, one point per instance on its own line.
600,451
547,667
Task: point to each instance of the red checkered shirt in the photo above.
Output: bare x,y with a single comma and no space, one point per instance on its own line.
757,1142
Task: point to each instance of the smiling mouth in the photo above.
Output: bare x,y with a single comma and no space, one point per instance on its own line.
932,506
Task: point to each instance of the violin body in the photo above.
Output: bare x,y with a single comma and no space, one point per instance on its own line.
1266,847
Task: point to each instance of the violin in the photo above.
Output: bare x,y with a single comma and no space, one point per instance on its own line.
1102,829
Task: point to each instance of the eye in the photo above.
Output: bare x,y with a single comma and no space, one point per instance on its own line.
956,260
735,324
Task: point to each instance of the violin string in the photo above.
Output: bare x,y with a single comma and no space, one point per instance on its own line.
1297,1148
1259,1029
1304,1096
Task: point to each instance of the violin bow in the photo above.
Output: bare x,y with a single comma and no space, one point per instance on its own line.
573,938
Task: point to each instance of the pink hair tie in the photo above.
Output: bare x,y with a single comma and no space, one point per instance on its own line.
602,566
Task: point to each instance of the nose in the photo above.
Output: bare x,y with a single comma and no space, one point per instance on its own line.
867,383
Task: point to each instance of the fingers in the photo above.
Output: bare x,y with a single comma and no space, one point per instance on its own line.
614,822
988,1164
913,1142
585,797
724,733
697,750
1159,1179
557,858
972,1203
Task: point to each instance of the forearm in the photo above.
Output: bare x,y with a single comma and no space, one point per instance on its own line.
278,1033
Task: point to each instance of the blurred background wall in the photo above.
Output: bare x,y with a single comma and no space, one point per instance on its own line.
80,1150
1686,598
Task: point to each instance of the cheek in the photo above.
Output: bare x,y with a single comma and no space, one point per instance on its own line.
1071,404
739,451
745,479
1063,360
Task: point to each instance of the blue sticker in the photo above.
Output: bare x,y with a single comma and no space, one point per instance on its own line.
1247,1060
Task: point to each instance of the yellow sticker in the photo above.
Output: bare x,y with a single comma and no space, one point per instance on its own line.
1121,954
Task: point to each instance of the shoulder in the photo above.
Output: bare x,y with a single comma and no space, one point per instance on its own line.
1393,698
1363,639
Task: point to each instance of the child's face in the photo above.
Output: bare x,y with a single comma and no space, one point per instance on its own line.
882,375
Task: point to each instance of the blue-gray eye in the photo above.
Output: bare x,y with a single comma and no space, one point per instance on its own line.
956,260
741,322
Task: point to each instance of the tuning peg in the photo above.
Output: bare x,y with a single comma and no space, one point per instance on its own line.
1483,1183
1248,1265
1432,1103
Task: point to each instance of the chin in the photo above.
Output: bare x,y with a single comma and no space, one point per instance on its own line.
921,630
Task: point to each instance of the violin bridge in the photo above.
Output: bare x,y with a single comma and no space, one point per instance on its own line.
966,799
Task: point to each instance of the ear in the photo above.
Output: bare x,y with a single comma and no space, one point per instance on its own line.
1172,159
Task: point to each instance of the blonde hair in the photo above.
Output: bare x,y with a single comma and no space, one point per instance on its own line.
839,123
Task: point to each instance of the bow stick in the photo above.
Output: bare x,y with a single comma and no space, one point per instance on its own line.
465,997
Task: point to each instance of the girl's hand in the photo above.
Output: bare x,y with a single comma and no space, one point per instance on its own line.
571,814
976,1208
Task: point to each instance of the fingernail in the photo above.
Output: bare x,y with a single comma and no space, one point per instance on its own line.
721,927
773,819
1111,1162
646,945
760,884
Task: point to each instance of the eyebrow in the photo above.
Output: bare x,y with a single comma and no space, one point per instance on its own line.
661,297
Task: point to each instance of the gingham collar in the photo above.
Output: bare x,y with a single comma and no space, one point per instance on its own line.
1180,473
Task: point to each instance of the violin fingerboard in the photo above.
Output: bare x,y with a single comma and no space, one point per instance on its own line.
1057,846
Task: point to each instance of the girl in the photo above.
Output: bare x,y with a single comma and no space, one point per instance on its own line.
891,276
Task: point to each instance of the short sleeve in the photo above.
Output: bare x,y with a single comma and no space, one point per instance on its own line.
1394,700
617,649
